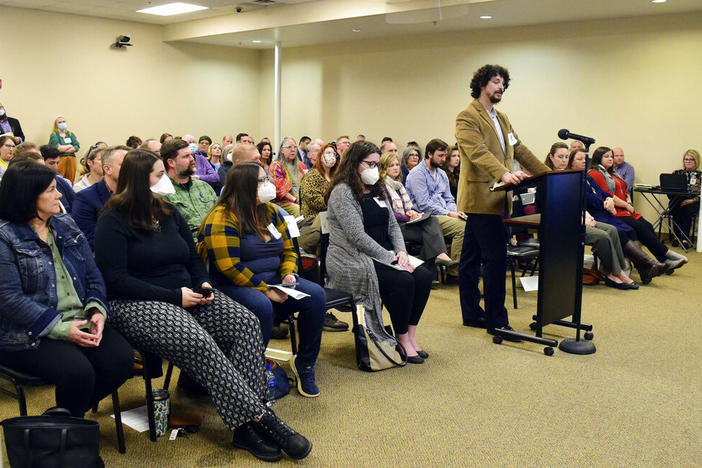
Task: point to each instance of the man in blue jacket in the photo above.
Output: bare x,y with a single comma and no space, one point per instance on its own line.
89,201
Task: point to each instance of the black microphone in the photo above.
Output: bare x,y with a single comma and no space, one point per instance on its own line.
564,134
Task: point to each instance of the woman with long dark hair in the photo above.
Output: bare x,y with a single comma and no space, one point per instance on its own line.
367,254
605,175
52,297
247,245
163,303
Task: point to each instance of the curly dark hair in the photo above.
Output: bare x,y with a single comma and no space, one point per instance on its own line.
484,75
347,173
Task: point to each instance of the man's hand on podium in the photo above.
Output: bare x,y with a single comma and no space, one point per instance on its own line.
513,177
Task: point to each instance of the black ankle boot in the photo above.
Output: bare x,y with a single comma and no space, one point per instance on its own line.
292,443
247,437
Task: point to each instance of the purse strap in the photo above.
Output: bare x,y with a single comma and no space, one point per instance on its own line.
402,362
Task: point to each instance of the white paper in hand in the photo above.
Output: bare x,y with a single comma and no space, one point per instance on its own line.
292,226
323,222
294,293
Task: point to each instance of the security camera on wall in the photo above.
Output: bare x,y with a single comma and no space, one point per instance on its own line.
123,41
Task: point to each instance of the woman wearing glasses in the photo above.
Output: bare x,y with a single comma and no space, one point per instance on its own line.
684,207
410,158
286,174
7,150
247,246
367,255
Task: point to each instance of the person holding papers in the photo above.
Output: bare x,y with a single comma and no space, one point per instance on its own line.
416,227
245,241
367,255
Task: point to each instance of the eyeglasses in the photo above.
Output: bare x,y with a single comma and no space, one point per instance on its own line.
289,147
689,160
8,145
370,164
263,179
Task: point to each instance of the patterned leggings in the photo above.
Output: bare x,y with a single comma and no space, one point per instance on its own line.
218,345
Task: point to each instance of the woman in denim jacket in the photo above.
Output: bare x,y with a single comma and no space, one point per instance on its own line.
52,296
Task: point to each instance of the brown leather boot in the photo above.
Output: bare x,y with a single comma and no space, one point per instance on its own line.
647,267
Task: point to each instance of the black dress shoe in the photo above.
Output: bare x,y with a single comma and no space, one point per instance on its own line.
615,285
422,354
477,323
293,444
506,337
246,437
415,359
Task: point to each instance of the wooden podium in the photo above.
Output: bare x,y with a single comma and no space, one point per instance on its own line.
561,231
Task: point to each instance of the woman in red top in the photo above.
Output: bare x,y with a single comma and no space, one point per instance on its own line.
603,172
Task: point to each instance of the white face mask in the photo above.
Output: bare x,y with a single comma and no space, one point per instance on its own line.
370,176
163,187
266,192
2,112
329,159
192,147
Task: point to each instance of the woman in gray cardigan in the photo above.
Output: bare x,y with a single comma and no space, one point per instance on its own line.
367,254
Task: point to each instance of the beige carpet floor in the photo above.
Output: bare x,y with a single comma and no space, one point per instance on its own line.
636,402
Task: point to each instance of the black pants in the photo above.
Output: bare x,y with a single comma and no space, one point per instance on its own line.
82,376
404,294
484,243
647,236
682,216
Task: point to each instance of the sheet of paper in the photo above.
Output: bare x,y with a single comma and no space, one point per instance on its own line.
323,222
414,261
274,231
530,283
294,293
292,226
136,419
421,218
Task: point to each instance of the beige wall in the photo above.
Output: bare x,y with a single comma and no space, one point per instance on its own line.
55,63
633,83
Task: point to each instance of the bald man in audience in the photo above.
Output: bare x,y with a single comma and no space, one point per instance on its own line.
623,168
227,140
388,147
243,152
90,200
151,145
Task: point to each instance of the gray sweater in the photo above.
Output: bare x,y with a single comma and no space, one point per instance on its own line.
351,252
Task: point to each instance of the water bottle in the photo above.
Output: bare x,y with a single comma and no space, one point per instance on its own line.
270,381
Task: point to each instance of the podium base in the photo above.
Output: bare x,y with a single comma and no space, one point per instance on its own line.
569,345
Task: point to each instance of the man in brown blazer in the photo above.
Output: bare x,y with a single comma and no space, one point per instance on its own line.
488,145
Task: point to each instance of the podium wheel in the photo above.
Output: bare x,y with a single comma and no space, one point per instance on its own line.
589,335
497,339
532,326
548,351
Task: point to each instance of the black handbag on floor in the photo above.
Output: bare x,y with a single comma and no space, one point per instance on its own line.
53,440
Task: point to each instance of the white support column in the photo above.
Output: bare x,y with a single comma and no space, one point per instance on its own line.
276,98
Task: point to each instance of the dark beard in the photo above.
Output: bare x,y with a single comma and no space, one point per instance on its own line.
433,164
187,172
494,99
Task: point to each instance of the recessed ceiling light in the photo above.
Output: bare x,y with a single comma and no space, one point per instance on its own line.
257,41
658,1
485,17
355,30
170,9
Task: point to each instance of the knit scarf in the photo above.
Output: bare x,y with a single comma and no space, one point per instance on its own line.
608,177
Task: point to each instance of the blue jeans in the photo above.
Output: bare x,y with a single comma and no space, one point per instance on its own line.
310,318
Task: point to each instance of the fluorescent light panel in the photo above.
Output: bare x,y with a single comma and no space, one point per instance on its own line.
170,9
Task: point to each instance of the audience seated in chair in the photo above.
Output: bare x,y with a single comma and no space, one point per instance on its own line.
605,175
366,246
162,302
89,202
429,190
246,244
90,168
685,207
427,232
63,185
286,174
191,196
52,296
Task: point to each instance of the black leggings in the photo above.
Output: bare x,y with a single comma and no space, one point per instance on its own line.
83,376
647,236
404,295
